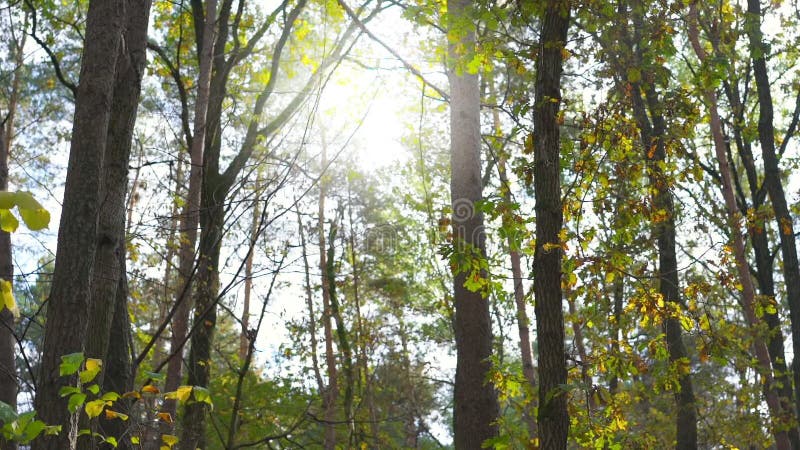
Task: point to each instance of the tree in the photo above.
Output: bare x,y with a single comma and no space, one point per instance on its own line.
553,419
475,408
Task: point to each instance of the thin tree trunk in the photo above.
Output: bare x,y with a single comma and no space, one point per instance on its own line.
653,136
244,340
331,394
190,216
553,416
8,372
70,295
312,317
526,354
343,341
475,409
774,185
777,413
764,261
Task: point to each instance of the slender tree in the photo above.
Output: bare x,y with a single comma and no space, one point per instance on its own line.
553,418
475,408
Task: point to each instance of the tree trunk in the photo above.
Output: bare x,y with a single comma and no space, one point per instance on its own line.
8,372
774,185
778,415
475,408
653,130
764,261
190,216
331,394
69,302
244,340
553,417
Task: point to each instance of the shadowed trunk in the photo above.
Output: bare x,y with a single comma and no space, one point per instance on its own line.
553,417
475,408
70,295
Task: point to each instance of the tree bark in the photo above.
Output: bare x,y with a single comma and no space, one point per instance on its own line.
69,302
475,407
653,135
774,184
553,417
8,372
190,216
777,413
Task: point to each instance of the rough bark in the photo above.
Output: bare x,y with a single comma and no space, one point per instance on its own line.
69,301
774,184
778,414
553,417
475,408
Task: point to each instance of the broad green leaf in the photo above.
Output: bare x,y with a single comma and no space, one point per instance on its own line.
68,390
94,389
111,441
70,363
110,396
7,413
76,401
25,200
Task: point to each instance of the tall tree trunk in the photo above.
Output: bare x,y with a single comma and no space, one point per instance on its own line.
190,216
8,372
778,414
774,184
653,135
212,221
553,417
475,408
108,264
763,259
69,301
312,317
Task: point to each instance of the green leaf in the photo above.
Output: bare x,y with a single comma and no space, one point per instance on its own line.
76,401
68,390
70,363
7,413
94,389
202,394
8,222
634,75
111,441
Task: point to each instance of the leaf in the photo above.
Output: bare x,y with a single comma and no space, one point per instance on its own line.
150,389
7,199
132,394
94,408
93,367
181,394
8,222
35,219
110,396
169,439
76,401
94,389
7,298
111,414
202,394
634,75
165,417
70,364
7,413
111,441
135,440
68,390
25,200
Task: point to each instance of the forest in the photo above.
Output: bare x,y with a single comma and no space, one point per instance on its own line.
399,224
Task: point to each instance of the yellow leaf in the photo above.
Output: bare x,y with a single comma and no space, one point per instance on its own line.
94,408
132,394
7,297
169,439
93,364
135,440
150,389
110,414
184,392
165,417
